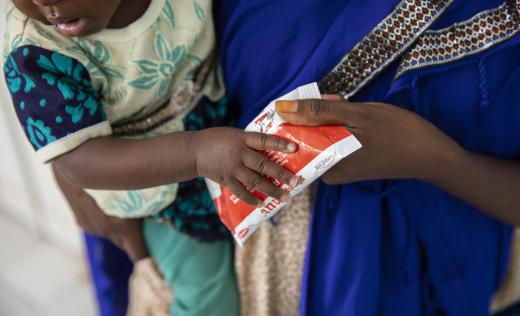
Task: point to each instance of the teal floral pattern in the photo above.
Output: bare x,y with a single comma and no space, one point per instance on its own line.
15,79
159,72
169,13
132,202
69,77
39,134
100,55
99,66
53,92
135,203
199,11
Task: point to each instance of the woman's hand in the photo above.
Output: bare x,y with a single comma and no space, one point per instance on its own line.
396,143
125,233
231,157
400,144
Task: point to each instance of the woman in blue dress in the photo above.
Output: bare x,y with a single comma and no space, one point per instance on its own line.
419,221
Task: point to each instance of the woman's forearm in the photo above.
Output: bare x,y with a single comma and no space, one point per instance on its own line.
415,148
124,164
490,184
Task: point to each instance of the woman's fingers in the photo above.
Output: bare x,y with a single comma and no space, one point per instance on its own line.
313,112
332,97
265,166
260,141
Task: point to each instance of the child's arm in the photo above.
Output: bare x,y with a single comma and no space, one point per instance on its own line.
226,155
63,117
122,164
125,233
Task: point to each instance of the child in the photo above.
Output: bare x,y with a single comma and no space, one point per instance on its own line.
111,92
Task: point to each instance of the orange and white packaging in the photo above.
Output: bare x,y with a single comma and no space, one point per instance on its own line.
319,148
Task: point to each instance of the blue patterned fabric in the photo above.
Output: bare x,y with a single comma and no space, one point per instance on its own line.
110,270
399,247
52,94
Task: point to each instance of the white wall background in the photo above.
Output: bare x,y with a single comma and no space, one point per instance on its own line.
27,191
42,271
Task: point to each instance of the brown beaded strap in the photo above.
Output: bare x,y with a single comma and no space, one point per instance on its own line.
382,45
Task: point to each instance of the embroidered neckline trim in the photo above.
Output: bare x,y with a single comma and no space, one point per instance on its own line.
481,32
382,45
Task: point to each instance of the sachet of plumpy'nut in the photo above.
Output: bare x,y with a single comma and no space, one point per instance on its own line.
319,148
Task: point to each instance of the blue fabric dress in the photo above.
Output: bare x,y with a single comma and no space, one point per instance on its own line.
400,247
110,269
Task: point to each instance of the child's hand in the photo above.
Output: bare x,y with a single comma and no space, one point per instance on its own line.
230,157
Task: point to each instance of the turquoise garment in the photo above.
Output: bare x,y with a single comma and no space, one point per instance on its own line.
201,274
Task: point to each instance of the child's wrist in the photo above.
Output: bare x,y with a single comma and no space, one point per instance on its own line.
194,151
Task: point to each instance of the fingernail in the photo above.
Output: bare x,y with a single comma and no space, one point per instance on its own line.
291,146
284,197
285,106
293,182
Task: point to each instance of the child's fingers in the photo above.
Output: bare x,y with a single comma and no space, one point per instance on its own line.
240,191
257,182
263,165
260,141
